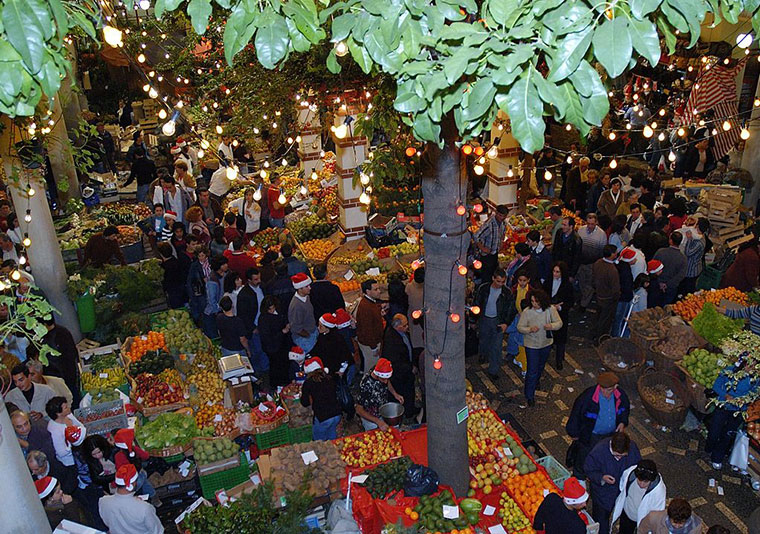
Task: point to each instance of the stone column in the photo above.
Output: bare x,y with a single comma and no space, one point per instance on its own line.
310,146
751,155
59,147
502,188
350,152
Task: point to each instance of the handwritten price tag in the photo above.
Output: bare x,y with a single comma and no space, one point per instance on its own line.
489,510
450,512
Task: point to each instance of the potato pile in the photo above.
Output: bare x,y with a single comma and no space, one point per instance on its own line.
299,416
649,322
288,467
678,342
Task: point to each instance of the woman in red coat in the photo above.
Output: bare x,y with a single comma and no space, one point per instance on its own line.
743,273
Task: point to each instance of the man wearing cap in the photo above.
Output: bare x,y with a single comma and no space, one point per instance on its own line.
604,466
123,512
597,413
488,240
625,276
559,515
375,389
330,347
642,490
674,268
303,327
397,349
611,199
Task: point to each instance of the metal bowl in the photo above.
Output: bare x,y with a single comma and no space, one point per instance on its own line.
392,413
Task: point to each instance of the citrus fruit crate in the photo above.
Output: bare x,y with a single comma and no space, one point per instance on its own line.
227,479
301,434
274,438
556,471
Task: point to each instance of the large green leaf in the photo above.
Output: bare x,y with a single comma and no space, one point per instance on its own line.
408,103
694,13
238,31
425,130
667,31
574,108
568,19
49,76
61,19
550,94
642,8
479,100
39,10
502,10
272,41
305,18
24,33
594,97
342,26
674,17
645,40
360,55
455,65
165,5
297,39
570,51
612,45
525,109
200,12
332,62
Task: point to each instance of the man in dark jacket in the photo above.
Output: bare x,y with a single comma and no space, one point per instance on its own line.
32,436
281,287
625,276
540,255
212,210
497,310
248,308
567,247
604,466
597,413
325,296
397,348
65,365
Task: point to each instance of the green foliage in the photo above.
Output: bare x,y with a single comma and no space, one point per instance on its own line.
24,319
714,326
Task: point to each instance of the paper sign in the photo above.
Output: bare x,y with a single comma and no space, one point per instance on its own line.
489,510
669,393
309,457
103,375
622,365
508,452
218,418
712,483
462,415
263,407
349,274
256,479
371,255
374,271
145,497
497,529
184,465
546,492
720,490
571,389
359,479
579,371
670,401
450,512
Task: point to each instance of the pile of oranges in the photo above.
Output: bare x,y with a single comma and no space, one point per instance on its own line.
317,249
689,307
528,491
348,285
150,342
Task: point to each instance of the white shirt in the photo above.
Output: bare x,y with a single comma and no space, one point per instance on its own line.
226,151
251,214
640,265
259,297
173,201
187,160
10,255
633,501
635,225
59,387
556,282
42,394
127,514
219,183
58,435
15,235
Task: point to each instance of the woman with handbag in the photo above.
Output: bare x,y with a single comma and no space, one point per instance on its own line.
320,392
560,290
537,324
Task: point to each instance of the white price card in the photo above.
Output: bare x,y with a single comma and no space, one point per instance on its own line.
720,490
546,492
349,274
670,401
450,512
263,407
508,452
497,529
489,510
711,483
669,393
256,479
103,375
622,365
218,418
374,271
359,479
309,457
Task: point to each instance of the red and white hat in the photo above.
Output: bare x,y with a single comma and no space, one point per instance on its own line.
383,368
312,364
126,476
175,150
45,486
181,142
169,214
342,318
574,492
300,280
654,266
125,439
75,435
296,354
329,320
628,255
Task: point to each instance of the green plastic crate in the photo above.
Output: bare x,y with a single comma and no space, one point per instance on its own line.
710,278
557,472
274,438
230,478
301,434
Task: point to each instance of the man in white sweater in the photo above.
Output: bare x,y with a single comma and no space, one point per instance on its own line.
124,513
29,397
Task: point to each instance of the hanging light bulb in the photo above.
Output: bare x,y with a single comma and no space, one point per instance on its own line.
477,264
201,153
341,49
153,93
548,175
304,191
15,274
661,137
363,178
22,260
628,126
290,140
726,126
568,127
467,150
510,174
454,317
479,150
111,35
613,164
479,169
364,198
146,87
145,4
744,134
341,131
28,217
714,131
671,156
569,160
482,160
263,173
31,191
162,114
284,162
282,199
648,132
266,163
232,172
141,58
180,104
475,310
681,132
757,100
416,314
256,131
298,139
743,40
612,136
662,112
314,175
461,210
461,269
169,128
478,208
493,152
27,242
257,194
654,125
437,363
410,151
219,129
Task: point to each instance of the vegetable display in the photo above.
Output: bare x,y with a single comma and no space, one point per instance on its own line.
387,478
369,448
168,430
430,510
714,326
705,366
207,451
692,304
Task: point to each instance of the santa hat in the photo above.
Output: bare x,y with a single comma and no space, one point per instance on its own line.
45,486
628,255
296,354
300,280
574,492
125,439
329,320
126,476
342,318
312,364
181,142
383,368
170,215
175,150
75,435
654,266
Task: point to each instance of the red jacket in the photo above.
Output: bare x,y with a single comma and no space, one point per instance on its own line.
122,457
239,262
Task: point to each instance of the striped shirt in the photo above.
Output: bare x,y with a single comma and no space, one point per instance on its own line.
750,312
491,234
693,250
593,243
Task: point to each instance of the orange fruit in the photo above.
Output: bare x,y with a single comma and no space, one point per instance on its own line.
414,516
407,510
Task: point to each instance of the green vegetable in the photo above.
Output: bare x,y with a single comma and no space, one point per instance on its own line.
168,430
704,366
713,326
387,478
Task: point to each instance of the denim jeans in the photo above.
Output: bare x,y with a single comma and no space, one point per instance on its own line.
306,343
536,362
326,430
276,223
142,192
259,359
142,486
721,431
620,313
491,339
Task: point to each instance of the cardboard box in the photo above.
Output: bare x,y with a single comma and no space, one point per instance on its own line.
69,527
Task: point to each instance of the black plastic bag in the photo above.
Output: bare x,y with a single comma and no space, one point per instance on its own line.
571,455
345,399
420,480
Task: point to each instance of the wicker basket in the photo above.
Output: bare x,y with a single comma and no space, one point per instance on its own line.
671,417
185,449
275,423
624,358
667,363
695,389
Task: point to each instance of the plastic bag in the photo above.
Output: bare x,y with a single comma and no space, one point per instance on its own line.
420,480
740,451
340,520
345,399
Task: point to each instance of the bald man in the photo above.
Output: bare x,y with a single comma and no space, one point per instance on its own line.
32,436
397,348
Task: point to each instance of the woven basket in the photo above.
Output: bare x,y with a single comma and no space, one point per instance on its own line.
267,427
670,416
666,362
185,449
624,358
696,390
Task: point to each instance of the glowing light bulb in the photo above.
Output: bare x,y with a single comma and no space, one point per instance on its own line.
263,173
231,172
26,242
455,317
569,160
141,58
201,153
22,260
282,199
290,140
757,100
169,128
180,104
16,275
416,314
364,198
437,364
205,144
662,112
219,129
284,162
256,131
628,126
478,208
298,139
477,264
744,134
257,194
743,40
341,131
162,114
493,152
548,175
568,127
28,217
146,87
467,150
144,4
681,132
475,310
410,151
266,164
612,136
726,126
111,35
482,160
648,132
461,210
304,191
510,174
479,169
661,137
613,164
341,49
479,150
153,93
462,270
31,191
671,156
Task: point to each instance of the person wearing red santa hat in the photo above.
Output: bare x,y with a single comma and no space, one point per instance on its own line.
331,348
655,295
303,326
558,515
296,357
625,276
320,392
130,453
58,505
123,512
375,389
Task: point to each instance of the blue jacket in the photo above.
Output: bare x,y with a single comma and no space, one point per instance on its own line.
543,259
743,387
213,294
600,462
585,411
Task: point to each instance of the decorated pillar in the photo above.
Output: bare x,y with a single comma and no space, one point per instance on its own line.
751,155
350,151
503,173
310,147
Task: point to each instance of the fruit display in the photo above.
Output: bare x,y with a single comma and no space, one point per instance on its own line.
369,448
151,391
753,430
310,227
528,491
387,478
401,249
490,470
430,512
267,412
181,334
347,285
122,213
578,221
289,468
152,362
171,376
512,518
475,401
705,366
167,430
86,415
108,378
524,462
128,235
484,432
692,304
346,256
205,387
362,266
650,323
317,249
100,396
471,509
208,451
267,238
103,362
714,326
325,197
291,391
140,345
216,416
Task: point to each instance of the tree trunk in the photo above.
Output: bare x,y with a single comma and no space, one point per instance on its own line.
524,193
446,240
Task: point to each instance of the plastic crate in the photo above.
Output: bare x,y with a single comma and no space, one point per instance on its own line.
176,488
103,417
230,478
710,278
274,438
556,471
301,434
